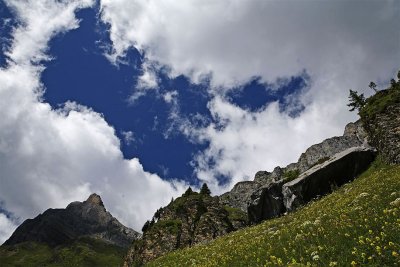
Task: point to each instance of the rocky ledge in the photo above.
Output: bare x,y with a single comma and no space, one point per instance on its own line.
263,198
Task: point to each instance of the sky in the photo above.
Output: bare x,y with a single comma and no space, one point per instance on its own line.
138,99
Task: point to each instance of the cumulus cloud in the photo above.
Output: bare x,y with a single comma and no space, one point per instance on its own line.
50,157
6,227
339,44
236,40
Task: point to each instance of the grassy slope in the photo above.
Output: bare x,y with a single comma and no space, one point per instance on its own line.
86,252
357,225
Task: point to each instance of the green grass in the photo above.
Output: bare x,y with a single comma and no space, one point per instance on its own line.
235,214
85,252
358,225
291,175
171,226
379,102
320,161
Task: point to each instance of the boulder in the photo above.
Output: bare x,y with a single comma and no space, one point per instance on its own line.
321,179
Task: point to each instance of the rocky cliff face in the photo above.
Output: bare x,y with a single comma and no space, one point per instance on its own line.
61,226
381,117
191,219
262,198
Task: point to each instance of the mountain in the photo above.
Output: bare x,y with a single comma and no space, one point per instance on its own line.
79,219
356,225
310,213
194,218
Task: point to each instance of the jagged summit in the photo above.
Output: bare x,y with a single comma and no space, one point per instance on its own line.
79,219
95,199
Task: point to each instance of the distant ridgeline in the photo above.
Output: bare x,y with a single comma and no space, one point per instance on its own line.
197,218
82,234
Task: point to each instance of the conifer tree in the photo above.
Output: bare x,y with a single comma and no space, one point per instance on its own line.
188,192
205,190
372,85
146,226
357,101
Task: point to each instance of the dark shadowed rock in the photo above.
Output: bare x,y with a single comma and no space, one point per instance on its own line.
266,203
61,226
321,179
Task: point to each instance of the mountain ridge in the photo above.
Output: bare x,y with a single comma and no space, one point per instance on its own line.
60,226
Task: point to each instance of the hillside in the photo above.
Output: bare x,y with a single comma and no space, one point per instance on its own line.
191,219
85,252
356,225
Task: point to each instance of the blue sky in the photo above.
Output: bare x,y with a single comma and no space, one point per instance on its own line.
81,73
136,100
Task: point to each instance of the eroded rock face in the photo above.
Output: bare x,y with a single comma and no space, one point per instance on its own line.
61,226
189,220
254,196
356,129
266,203
240,195
321,179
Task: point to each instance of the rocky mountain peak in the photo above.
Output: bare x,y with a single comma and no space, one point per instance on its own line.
95,199
79,219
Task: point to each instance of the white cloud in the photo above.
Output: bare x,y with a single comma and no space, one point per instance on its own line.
147,81
170,97
6,227
236,40
49,157
340,44
129,137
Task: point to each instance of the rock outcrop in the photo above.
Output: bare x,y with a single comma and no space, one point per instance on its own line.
263,198
240,195
320,180
191,219
62,226
382,123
